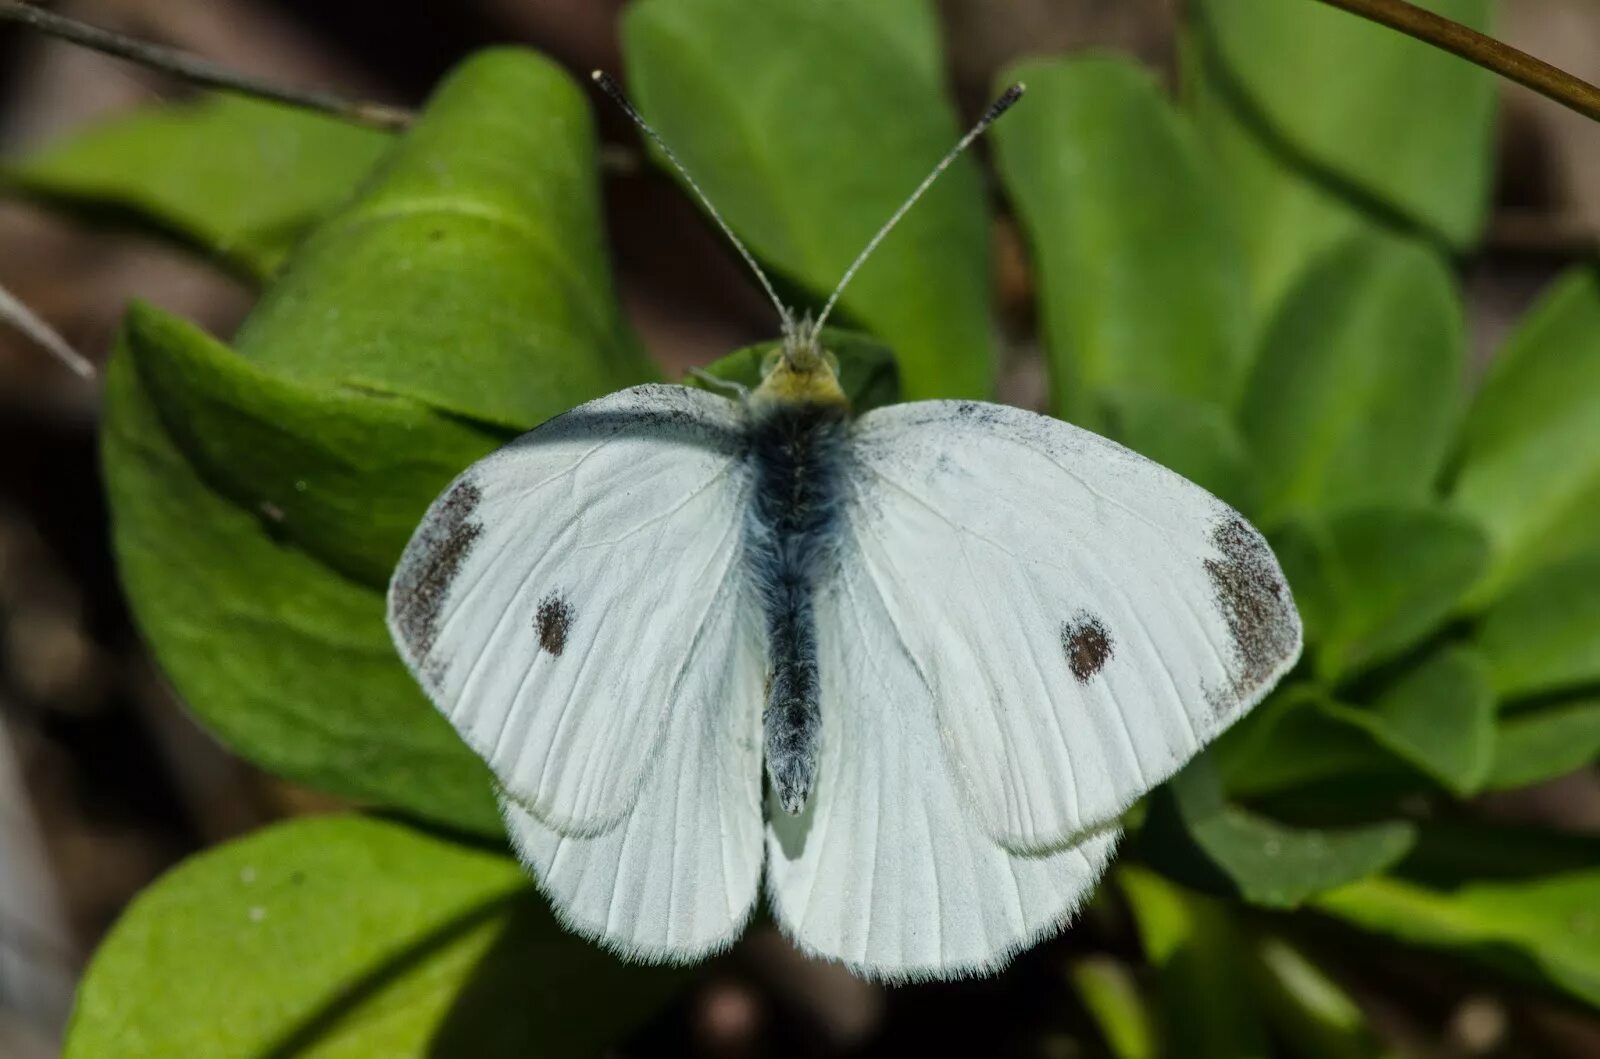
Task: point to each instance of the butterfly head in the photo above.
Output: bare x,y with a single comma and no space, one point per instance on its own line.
801,371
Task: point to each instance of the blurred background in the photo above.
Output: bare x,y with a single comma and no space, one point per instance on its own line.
104,780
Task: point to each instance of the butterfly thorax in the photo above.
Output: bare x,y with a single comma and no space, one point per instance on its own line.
797,444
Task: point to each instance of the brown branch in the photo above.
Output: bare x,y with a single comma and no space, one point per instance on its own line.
1480,49
197,70
19,316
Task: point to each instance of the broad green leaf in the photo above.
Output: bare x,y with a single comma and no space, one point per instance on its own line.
867,371
1541,744
1141,283
1372,583
1530,454
1194,834
1195,438
1438,717
288,662
470,273
339,473
1111,997
258,501
1195,945
1309,1009
234,176
1452,849
1290,741
1310,153
353,938
1357,386
808,122
1544,635
1545,929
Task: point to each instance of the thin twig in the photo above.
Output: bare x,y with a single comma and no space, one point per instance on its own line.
199,71
18,315
1478,48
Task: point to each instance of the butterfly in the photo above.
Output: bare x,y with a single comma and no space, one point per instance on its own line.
908,667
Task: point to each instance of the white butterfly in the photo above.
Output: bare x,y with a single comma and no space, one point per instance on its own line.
963,637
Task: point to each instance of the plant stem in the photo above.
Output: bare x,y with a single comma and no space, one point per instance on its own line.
19,316
1481,49
197,70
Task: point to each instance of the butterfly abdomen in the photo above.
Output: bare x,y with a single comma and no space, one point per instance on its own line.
796,452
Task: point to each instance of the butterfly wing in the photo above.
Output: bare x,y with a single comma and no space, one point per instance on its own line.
1081,620
886,869
677,877
560,601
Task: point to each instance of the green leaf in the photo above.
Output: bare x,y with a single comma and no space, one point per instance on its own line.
808,122
351,937
1530,452
258,502
867,370
1112,998
1201,839
470,274
1310,154
1542,635
1545,929
1195,438
1195,945
1141,282
1372,583
1290,741
288,662
234,176
1357,386
1310,1009
1438,717
1541,744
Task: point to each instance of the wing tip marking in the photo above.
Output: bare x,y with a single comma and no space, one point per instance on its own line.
1254,599
431,564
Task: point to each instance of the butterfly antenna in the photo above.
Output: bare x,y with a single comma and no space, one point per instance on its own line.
612,89
990,116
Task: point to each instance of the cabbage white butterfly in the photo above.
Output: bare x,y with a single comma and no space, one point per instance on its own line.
962,638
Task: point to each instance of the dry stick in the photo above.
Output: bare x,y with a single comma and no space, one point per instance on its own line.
18,315
197,70
1480,49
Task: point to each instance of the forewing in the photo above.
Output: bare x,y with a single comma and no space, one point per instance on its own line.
1084,620
677,877
885,869
560,597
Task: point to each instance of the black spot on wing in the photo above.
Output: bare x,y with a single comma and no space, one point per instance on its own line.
423,582
1254,600
1087,645
553,622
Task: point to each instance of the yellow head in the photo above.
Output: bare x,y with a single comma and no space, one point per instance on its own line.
801,372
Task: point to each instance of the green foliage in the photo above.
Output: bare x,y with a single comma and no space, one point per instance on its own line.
1542,744
1530,449
1122,214
1356,386
1545,930
1249,289
1311,153
1198,837
1541,636
1371,583
238,178
763,102
342,936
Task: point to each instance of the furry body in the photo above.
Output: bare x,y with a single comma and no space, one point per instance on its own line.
796,449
